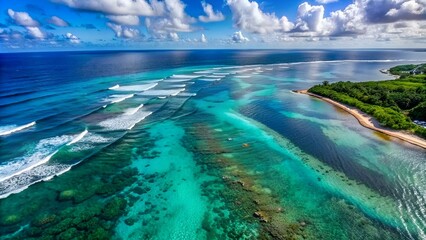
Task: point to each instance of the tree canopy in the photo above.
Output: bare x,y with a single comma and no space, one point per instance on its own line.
394,103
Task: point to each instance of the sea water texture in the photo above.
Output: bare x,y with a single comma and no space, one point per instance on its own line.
200,145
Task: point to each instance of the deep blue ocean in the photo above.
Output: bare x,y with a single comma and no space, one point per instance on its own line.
200,144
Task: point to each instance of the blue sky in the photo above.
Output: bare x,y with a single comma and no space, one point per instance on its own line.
27,25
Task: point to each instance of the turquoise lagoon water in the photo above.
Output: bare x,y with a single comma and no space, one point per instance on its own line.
199,145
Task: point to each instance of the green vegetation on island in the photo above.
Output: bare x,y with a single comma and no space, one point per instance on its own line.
394,103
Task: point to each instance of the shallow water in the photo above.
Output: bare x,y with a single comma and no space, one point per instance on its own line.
205,145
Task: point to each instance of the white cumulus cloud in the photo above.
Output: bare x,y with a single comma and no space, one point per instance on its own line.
249,17
309,18
203,38
124,19
174,19
384,11
326,1
211,15
57,21
35,32
123,31
113,7
72,38
411,9
349,21
25,20
173,36
162,17
238,37
22,18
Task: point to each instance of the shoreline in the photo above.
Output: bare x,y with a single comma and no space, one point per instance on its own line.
366,122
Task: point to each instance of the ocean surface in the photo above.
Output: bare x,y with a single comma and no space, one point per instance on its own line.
207,144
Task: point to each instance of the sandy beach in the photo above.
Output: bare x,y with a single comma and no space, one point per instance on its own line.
365,121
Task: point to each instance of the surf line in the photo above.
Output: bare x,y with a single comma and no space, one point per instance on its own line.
78,138
366,121
45,159
19,128
114,87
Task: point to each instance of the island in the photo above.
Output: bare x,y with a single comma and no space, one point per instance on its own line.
398,106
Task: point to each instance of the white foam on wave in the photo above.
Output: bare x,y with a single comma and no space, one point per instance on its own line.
176,85
137,88
237,67
78,137
247,70
114,87
343,61
42,153
132,111
163,92
187,94
124,122
119,98
21,182
185,76
212,76
243,76
203,72
8,129
90,141
178,80
95,138
221,73
131,127
210,79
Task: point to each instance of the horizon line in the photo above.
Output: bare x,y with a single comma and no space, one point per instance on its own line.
211,49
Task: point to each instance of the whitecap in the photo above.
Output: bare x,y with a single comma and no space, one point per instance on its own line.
221,73
78,137
42,153
247,69
132,111
90,141
8,129
187,94
185,76
162,93
213,76
210,79
114,87
178,80
119,98
203,72
124,122
18,183
95,138
137,88
176,85
175,93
